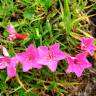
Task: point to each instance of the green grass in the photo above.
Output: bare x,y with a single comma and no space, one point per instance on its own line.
46,22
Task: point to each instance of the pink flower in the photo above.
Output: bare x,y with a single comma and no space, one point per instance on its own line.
28,59
87,45
50,56
14,35
8,62
78,64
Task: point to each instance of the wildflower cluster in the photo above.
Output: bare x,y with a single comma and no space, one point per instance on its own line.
34,57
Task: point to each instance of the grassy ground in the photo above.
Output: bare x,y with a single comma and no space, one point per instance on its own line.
45,22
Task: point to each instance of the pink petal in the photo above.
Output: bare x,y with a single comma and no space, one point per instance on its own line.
36,65
43,55
86,64
26,67
5,52
3,65
14,61
61,55
30,47
11,29
3,62
81,56
42,61
32,51
26,64
52,65
69,69
55,46
11,71
70,61
12,37
87,41
91,52
87,44
43,51
57,52
11,67
77,69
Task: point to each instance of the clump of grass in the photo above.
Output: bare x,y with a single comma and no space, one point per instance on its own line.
45,22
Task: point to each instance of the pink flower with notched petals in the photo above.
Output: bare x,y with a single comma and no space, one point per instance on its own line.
28,59
8,62
87,45
78,64
13,35
50,56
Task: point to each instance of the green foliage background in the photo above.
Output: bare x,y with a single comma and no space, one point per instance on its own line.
46,22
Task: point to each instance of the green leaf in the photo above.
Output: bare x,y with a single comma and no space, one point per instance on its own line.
46,3
5,34
28,14
52,85
11,50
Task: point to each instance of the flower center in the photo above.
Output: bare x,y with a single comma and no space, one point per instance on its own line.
84,45
30,58
76,61
50,55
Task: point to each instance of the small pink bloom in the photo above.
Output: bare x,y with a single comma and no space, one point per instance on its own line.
4,59
11,29
14,35
8,62
87,45
50,56
78,64
28,59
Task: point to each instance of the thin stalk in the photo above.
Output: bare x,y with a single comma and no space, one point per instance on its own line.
67,17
